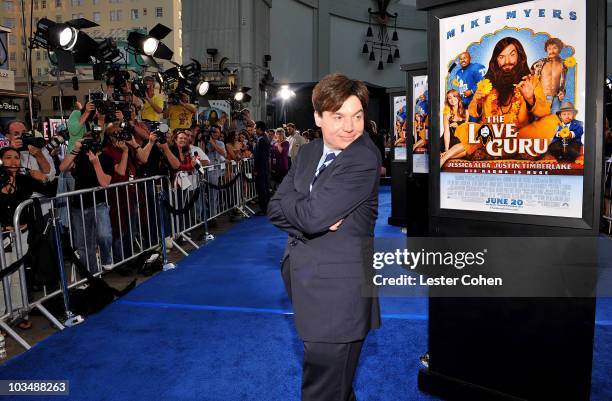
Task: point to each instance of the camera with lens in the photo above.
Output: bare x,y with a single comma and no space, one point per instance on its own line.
139,88
99,100
92,140
204,134
54,143
126,133
117,105
91,144
160,130
29,138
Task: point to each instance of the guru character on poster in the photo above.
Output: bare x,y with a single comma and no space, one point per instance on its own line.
513,99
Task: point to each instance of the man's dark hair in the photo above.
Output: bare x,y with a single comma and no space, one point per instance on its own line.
504,81
333,90
8,149
292,125
261,125
216,126
554,41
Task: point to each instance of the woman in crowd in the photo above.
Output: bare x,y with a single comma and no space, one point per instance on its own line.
243,138
279,156
232,146
180,149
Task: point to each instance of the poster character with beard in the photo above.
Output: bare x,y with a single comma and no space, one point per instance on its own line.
516,97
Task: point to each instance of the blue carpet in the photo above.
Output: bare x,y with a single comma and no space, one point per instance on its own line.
219,328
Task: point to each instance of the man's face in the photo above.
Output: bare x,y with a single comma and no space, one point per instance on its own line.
566,116
464,59
508,58
290,130
342,127
16,131
552,51
215,133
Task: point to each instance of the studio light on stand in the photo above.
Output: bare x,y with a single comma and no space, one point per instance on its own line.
65,43
65,40
242,95
148,46
202,88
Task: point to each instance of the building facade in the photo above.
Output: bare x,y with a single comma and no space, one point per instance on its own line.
115,17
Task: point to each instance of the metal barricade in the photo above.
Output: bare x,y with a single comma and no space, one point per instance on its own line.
107,226
114,225
202,196
250,191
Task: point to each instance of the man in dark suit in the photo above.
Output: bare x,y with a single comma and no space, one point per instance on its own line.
328,203
261,168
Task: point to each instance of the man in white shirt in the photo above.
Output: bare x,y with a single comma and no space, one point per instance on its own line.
295,141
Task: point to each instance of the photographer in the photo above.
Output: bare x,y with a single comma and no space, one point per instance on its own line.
32,157
153,106
125,152
16,187
90,169
180,112
82,121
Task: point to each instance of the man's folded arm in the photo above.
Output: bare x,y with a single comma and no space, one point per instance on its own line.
275,211
339,195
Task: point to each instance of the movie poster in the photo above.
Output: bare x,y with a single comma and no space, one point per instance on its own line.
217,113
420,124
512,98
399,127
54,125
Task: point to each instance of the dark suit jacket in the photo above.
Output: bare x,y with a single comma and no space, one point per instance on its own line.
262,156
329,270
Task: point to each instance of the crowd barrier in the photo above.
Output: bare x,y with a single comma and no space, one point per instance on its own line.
111,226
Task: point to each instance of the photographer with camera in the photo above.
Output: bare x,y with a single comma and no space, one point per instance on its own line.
153,107
16,187
180,112
126,154
82,121
90,169
32,150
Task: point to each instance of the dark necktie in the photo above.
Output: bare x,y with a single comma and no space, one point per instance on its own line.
328,160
